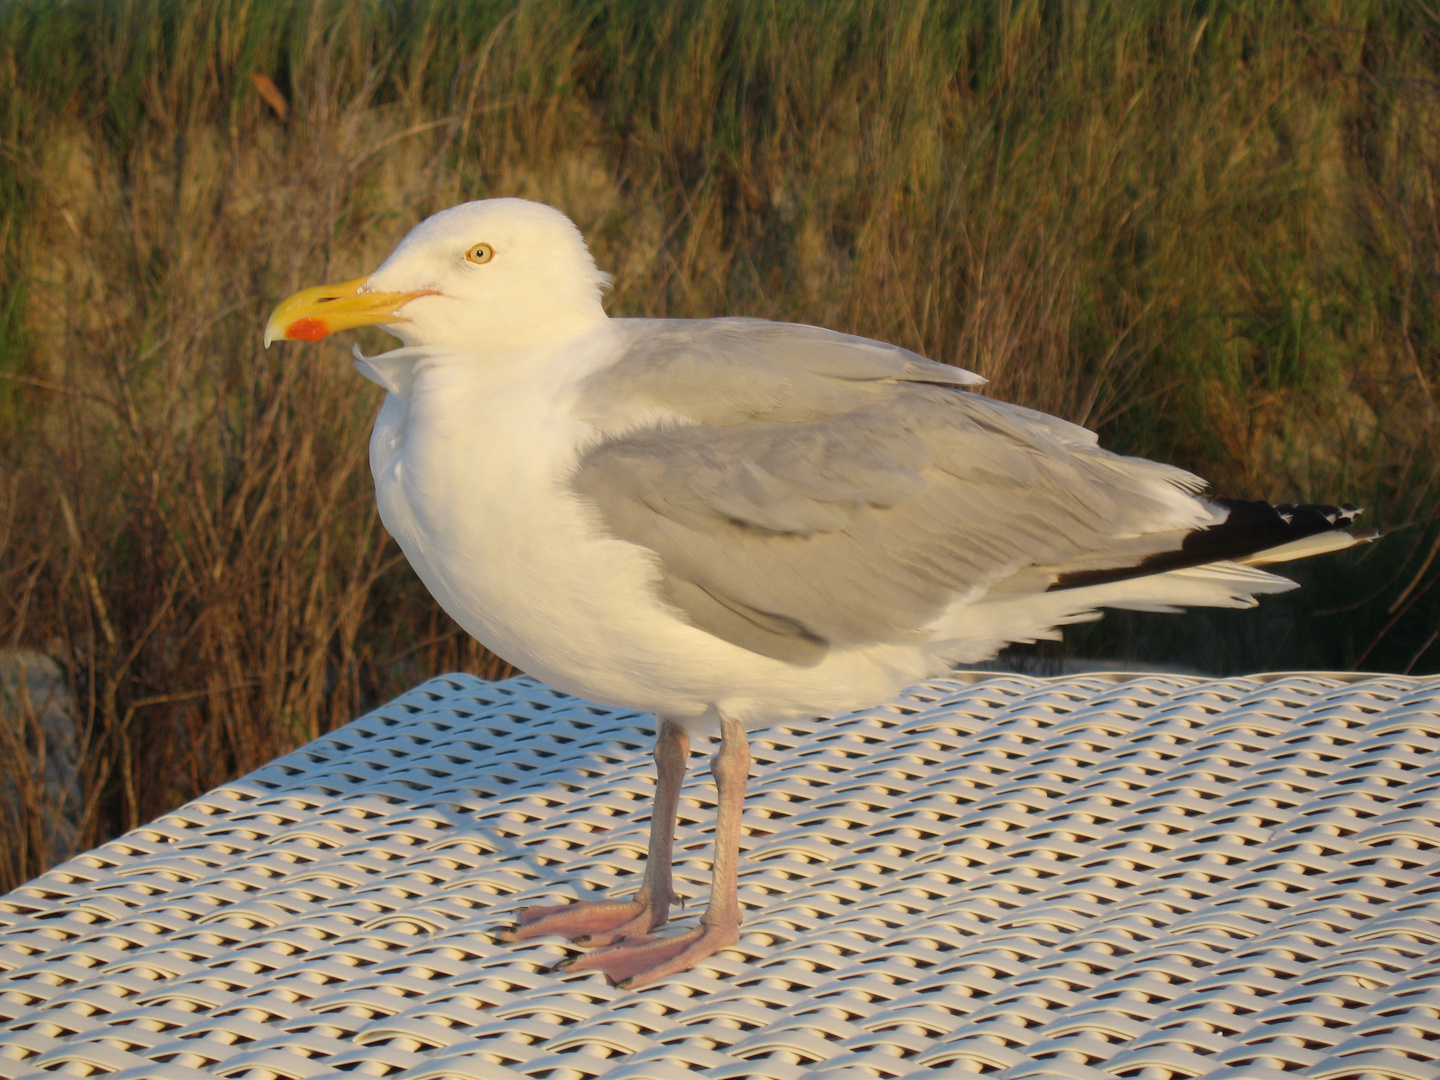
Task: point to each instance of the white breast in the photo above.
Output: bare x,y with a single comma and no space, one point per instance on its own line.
471,472
472,463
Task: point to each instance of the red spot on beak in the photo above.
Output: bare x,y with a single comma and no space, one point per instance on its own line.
306,329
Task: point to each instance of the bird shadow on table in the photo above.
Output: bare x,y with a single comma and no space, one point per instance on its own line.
478,797
464,801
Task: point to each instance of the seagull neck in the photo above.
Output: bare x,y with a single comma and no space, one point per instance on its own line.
501,334
554,358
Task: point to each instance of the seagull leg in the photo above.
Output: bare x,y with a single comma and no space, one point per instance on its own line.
606,921
643,959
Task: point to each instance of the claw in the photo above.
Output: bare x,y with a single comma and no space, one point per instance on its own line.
641,960
588,922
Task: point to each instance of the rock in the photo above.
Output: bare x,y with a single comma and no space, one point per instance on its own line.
39,748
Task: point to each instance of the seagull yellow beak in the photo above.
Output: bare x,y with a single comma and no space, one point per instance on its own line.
311,314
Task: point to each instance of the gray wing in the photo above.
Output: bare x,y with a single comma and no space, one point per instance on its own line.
803,488
728,371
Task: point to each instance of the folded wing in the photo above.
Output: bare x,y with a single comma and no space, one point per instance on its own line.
803,489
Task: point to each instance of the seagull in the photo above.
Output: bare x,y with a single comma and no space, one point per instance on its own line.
730,522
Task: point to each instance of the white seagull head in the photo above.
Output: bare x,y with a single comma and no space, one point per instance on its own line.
482,275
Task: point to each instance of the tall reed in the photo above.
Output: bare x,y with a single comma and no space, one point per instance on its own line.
1209,230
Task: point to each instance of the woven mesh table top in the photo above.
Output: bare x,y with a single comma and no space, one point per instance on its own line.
1083,877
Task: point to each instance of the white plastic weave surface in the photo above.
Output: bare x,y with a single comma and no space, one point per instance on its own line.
1082,877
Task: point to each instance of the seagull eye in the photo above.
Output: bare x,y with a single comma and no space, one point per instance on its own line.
480,254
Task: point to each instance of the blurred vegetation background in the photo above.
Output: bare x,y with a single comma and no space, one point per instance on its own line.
1207,229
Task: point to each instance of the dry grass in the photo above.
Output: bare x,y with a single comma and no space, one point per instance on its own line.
1211,232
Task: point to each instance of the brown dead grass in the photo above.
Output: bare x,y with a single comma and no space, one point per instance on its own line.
1212,235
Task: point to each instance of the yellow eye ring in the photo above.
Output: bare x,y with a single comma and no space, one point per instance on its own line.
480,254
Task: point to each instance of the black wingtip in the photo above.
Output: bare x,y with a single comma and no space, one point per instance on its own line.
1251,526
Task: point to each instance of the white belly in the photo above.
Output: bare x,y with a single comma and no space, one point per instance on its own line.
479,512
472,480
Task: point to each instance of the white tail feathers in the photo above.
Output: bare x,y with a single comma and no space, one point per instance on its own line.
1319,544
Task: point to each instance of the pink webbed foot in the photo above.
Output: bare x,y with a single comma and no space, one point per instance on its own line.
587,922
629,955
639,961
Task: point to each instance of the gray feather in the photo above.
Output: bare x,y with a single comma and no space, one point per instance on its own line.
809,488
